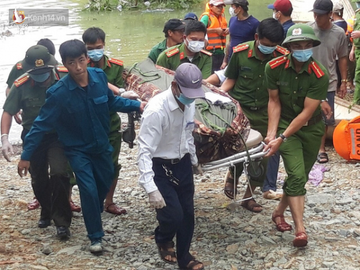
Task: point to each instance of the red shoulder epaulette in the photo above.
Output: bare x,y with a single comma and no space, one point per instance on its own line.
21,80
172,52
317,70
277,62
62,69
282,50
206,52
241,47
19,65
116,61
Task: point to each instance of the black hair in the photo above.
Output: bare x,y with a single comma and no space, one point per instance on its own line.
92,34
48,44
72,48
270,29
288,12
195,26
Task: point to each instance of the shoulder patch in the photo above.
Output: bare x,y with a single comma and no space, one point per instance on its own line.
21,80
62,69
206,52
317,70
19,65
277,62
240,47
116,61
282,50
172,52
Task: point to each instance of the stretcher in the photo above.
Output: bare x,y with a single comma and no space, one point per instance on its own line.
222,134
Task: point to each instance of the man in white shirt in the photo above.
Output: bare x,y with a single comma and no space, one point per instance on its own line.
166,157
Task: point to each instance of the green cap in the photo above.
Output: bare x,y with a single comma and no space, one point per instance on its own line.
38,60
301,32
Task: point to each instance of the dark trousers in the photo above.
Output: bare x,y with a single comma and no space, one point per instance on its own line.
217,60
94,175
177,218
51,190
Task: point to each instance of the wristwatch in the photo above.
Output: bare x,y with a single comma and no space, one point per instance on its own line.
282,137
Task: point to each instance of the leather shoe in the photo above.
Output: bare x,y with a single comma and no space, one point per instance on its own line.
62,232
43,223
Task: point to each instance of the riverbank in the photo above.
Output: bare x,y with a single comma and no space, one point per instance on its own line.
226,236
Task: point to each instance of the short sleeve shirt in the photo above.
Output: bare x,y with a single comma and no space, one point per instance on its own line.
201,59
294,87
248,70
157,50
15,73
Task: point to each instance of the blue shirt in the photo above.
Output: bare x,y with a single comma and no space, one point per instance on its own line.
242,31
79,115
286,25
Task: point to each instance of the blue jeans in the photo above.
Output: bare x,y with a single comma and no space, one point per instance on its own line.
272,172
94,174
177,217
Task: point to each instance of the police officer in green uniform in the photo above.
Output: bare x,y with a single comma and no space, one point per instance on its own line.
174,35
28,93
297,84
246,83
94,39
355,52
191,51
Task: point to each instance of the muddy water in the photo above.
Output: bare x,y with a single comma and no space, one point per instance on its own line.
130,34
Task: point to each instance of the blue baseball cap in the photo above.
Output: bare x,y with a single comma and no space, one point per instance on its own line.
191,16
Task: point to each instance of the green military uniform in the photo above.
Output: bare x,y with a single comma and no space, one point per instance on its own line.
16,72
27,96
157,50
113,69
300,150
250,90
357,56
176,55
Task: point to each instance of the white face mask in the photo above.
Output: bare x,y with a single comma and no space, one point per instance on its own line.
274,15
195,45
232,11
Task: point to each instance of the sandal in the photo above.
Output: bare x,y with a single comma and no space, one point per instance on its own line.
194,263
283,226
112,208
322,157
74,207
300,240
229,186
250,205
33,205
165,250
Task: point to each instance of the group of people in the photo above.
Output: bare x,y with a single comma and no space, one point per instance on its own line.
70,121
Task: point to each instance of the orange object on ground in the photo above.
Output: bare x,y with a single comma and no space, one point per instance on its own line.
346,139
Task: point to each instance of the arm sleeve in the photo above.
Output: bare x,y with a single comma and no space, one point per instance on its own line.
343,46
149,138
319,87
162,60
205,20
13,75
152,55
270,77
13,101
48,114
119,81
206,69
232,70
190,140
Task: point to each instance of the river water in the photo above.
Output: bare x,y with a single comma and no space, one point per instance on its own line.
130,34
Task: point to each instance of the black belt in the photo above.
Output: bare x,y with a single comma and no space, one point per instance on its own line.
166,161
313,120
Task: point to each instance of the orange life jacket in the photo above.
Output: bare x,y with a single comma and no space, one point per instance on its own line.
346,139
350,27
215,41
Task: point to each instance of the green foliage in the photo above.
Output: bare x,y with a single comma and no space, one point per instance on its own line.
102,5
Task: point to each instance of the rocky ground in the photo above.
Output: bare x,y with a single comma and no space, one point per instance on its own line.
226,236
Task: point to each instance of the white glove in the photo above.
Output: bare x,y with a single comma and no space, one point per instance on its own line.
6,147
197,169
130,95
156,200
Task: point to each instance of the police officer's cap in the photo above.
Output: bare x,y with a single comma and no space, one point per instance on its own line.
301,32
38,60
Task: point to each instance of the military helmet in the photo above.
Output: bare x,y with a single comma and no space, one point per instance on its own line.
38,60
301,32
